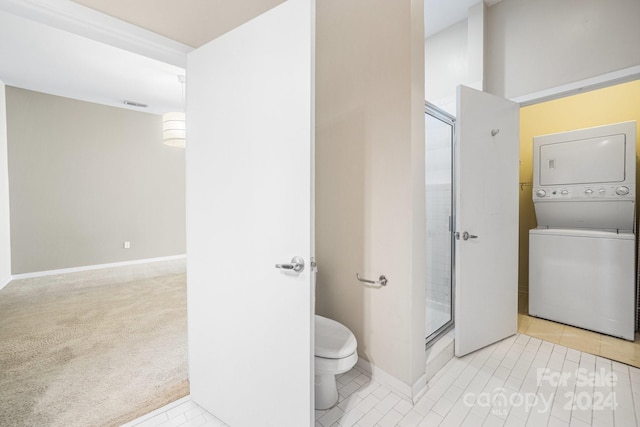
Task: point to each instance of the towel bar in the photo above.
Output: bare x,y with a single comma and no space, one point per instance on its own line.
382,280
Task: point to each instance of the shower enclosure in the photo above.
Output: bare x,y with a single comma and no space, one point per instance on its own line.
439,187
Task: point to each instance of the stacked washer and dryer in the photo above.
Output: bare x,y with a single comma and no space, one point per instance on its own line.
582,254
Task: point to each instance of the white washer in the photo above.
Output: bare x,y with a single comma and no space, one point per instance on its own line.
584,278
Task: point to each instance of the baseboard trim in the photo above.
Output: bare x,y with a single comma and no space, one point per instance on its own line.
439,354
158,411
419,389
94,267
410,393
4,282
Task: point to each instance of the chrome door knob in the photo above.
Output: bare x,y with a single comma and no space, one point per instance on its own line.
297,264
465,236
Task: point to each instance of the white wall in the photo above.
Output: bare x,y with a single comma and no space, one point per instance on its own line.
535,45
5,225
517,48
445,58
455,56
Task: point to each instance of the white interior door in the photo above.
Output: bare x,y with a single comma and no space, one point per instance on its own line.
487,174
249,207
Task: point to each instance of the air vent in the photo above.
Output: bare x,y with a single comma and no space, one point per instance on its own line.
135,104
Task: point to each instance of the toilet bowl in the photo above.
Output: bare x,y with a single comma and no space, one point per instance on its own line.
335,353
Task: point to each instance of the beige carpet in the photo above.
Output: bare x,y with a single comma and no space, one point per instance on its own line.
96,348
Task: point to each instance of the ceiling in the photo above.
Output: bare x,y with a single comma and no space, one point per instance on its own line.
62,48
109,51
205,20
195,25
441,14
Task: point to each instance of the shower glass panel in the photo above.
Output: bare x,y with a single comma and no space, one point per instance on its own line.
439,128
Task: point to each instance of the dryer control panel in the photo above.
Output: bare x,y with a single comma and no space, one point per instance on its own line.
586,192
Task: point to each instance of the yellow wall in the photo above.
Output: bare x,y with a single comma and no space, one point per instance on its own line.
600,107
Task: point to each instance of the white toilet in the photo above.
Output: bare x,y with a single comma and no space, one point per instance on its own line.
335,353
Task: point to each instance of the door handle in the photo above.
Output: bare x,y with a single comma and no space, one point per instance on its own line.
382,280
465,236
297,264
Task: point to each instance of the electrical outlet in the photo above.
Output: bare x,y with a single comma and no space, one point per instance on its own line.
127,245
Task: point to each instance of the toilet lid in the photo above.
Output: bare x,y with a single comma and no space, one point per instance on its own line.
333,340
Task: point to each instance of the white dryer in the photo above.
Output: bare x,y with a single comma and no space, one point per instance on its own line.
582,254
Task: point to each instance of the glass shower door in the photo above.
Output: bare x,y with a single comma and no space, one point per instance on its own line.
439,128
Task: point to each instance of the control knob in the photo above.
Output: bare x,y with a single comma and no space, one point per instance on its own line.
588,191
622,191
541,193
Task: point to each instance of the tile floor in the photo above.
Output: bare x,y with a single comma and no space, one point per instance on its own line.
580,339
520,381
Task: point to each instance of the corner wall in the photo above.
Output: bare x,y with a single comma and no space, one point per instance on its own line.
84,178
600,107
5,225
370,177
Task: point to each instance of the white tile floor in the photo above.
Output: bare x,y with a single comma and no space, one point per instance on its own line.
521,381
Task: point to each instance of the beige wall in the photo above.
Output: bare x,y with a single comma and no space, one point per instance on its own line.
540,44
5,227
370,177
84,178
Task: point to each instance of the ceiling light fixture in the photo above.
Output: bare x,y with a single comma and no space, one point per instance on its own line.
173,124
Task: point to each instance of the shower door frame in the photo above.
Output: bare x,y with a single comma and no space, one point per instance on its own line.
439,114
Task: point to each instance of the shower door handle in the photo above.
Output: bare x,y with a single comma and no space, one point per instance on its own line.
297,264
465,236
